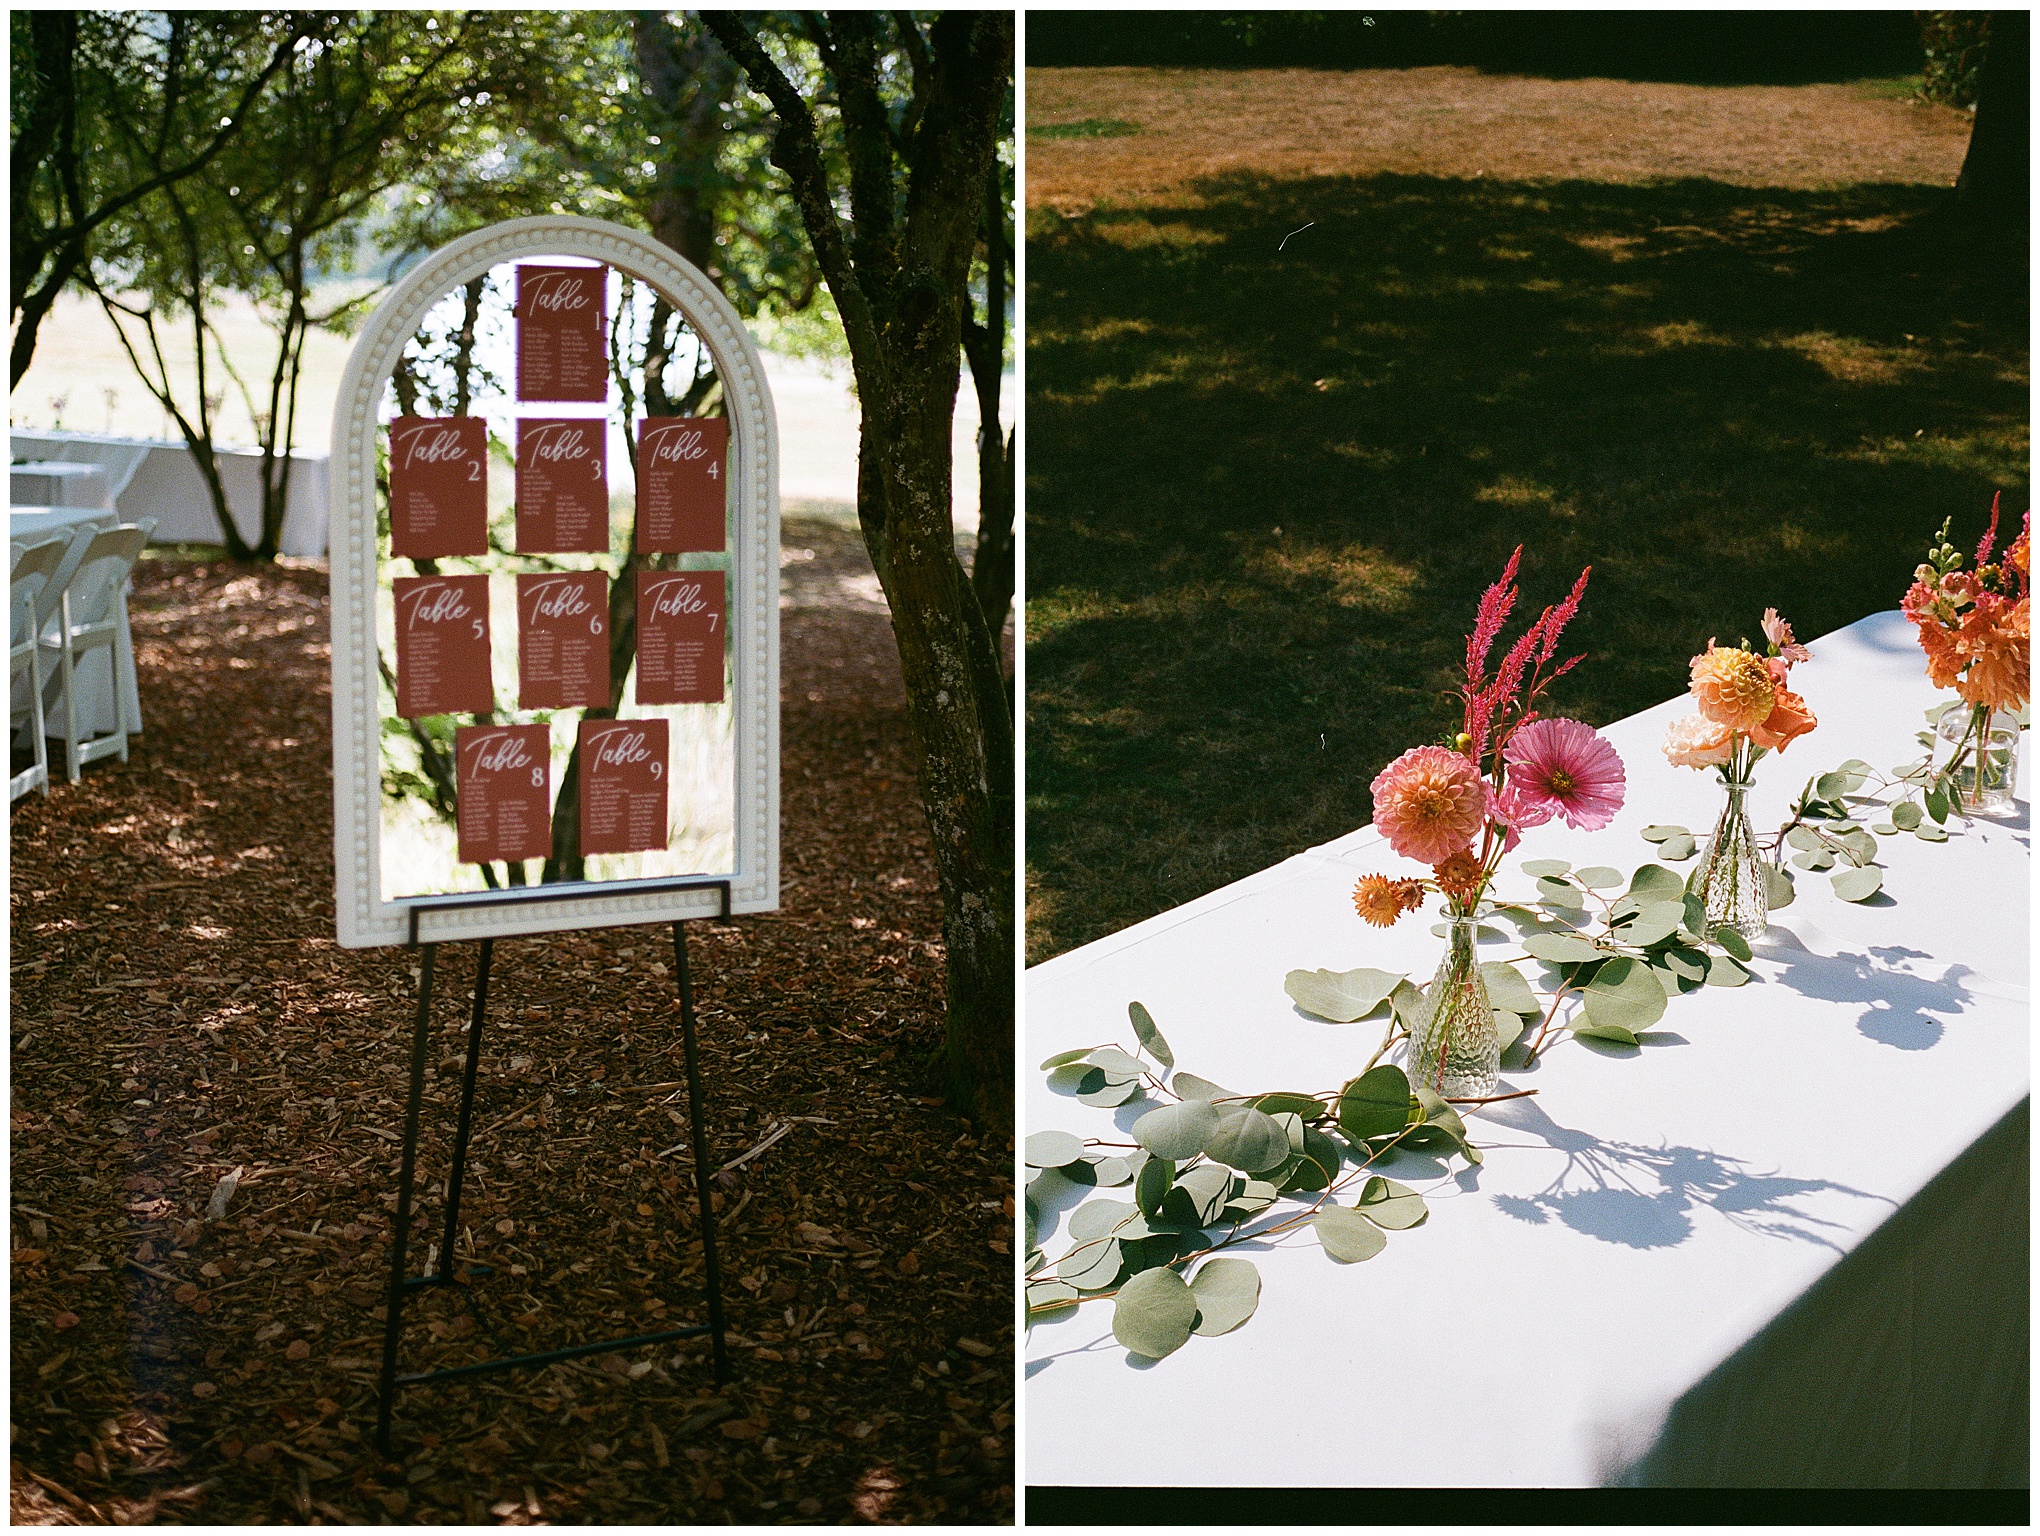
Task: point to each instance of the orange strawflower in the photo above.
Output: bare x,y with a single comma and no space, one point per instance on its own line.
1733,687
1459,877
1382,901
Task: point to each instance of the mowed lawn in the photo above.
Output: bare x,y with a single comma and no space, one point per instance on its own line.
1295,391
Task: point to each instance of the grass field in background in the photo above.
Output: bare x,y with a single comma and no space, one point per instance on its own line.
1266,486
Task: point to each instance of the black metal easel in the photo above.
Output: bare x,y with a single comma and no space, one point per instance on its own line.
401,1285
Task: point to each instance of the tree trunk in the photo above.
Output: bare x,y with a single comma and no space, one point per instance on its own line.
1994,175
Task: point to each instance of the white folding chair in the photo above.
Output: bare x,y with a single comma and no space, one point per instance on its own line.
27,581
89,620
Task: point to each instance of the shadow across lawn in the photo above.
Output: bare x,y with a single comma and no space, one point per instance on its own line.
1268,478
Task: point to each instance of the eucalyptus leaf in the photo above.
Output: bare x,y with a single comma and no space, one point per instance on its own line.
1538,869
1077,1078
1905,815
1248,1140
1389,1204
1442,1119
1678,848
1407,1000
1656,922
1341,996
1689,964
1227,1291
1256,1197
1092,1266
1375,1104
1723,971
1035,1259
1927,832
1199,1195
1049,1296
1859,884
1315,1165
1594,1030
1115,1063
1732,941
1804,837
1064,1058
1095,1218
1816,861
1507,989
1559,893
1859,846
1152,1184
1598,877
1626,994
1348,1236
1111,1172
1189,1086
1662,833
1150,1038
1937,804
1832,786
1653,882
1288,1103
1154,1313
1508,1028
1111,1095
1052,1149
1177,1131
1885,829
1561,948
1778,887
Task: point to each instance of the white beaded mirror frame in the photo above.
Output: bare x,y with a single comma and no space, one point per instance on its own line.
364,918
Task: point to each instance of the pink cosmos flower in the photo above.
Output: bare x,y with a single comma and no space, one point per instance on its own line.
1569,768
1429,803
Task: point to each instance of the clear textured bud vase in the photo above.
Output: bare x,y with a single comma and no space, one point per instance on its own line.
1453,1049
1731,883
1976,759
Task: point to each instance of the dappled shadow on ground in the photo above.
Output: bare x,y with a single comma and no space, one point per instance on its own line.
1272,466
1646,1197
180,1011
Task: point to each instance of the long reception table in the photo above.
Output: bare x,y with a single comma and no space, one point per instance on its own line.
1783,1242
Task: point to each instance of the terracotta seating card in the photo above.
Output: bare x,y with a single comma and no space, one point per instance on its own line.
503,784
563,640
443,646
680,619
682,472
623,785
562,333
439,486
563,485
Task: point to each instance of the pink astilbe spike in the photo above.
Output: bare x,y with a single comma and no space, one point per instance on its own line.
1568,666
1562,616
1509,675
1990,533
1488,619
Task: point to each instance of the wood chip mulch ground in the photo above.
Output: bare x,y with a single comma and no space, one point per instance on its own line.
181,1012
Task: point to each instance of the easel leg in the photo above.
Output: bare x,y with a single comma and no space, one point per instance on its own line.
393,1320
702,1182
467,1108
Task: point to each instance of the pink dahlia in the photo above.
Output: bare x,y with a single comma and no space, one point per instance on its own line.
1429,803
1568,768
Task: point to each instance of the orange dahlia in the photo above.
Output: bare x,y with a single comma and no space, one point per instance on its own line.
1733,687
1381,901
1460,877
1996,641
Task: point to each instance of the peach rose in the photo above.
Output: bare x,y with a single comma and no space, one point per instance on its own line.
1698,742
1788,720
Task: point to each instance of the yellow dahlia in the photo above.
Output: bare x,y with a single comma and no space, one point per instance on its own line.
1733,687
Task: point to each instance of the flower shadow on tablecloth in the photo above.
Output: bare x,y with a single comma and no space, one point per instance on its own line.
1901,1008
1645,1197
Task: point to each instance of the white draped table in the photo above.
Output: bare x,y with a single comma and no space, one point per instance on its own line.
1782,1243
109,698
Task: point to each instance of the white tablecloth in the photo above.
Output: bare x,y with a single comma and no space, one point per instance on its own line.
108,699
55,483
1670,1268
